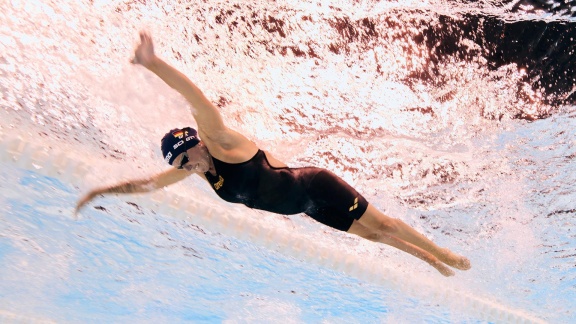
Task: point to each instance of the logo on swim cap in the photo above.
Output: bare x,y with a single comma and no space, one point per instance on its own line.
179,133
177,141
167,158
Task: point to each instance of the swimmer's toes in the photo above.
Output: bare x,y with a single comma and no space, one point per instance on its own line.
448,273
454,260
444,270
463,264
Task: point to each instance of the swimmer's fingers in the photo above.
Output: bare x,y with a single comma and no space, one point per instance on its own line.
82,202
80,205
144,52
145,37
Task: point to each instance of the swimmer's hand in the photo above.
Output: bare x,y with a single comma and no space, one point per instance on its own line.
84,200
134,186
144,52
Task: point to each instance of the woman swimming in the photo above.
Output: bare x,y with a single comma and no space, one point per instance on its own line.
239,172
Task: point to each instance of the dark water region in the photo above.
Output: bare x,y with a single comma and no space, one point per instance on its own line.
543,48
559,7
546,49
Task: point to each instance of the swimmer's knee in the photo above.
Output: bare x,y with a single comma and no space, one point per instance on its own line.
389,225
371,236
364,232
374,237
377,221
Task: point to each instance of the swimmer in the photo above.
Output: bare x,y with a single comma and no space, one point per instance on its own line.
239,172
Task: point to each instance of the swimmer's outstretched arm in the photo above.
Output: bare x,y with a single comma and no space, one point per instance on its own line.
207,116
158,181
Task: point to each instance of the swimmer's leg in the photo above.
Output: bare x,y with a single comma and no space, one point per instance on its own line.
376,221
402,245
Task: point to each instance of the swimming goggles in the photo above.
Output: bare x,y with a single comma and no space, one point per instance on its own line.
184,161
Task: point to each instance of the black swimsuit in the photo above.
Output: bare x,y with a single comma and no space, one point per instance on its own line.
316,192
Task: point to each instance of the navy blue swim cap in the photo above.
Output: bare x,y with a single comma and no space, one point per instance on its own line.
178,141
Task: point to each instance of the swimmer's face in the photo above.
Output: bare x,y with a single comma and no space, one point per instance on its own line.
195,159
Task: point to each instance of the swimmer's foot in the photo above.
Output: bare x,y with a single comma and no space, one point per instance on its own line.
454,260
442,268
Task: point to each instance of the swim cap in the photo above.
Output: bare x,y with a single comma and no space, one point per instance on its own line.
177,141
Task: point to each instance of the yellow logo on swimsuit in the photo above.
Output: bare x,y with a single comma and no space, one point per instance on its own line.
355,205
220,183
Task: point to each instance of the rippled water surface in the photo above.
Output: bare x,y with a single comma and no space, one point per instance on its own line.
457,118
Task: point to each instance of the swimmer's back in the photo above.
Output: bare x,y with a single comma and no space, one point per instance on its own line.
257,184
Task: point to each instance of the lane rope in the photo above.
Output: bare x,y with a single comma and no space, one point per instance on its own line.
63,166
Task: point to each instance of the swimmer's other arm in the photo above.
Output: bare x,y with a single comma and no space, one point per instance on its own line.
210,123
158,181
204,112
